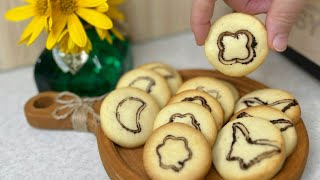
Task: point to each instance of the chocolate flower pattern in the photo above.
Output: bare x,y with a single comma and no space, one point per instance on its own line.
178,164
190,117
250,46
202,100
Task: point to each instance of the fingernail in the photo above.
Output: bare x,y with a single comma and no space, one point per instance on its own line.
280,42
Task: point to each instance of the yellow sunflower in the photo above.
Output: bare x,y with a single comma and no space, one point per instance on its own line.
66,14
67,45
40,10
114,14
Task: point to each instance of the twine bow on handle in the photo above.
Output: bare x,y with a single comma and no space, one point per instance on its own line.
76,107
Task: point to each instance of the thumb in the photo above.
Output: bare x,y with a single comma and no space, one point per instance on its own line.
280,19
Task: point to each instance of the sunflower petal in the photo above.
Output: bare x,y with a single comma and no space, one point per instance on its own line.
64,33
109,38
117,34
20,13
70,44
89,46
76,30
49,9
95,18
101,33
103,8
114,13
63,43
28,30
90,3
60,22
37,30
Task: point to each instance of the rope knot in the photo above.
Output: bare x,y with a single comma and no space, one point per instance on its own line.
76,107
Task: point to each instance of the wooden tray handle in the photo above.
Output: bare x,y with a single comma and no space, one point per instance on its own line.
38,111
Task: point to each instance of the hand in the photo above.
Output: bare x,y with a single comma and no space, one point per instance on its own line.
281,16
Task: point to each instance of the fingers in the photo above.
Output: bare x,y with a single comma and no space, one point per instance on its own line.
202,11
249,6
280,19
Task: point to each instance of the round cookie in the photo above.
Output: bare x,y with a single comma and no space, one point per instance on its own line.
148,81
127,116
216,89
233,89
204,99
191,114
237,44
249,148
176,151
277,118
276,98
167,72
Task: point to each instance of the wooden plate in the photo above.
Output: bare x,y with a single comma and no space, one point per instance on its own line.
123,163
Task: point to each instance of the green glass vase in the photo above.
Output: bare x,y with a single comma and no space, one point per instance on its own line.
92,74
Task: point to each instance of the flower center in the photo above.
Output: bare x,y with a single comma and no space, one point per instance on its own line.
42,6
67,6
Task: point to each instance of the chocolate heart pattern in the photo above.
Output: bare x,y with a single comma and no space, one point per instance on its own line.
203,101
187,118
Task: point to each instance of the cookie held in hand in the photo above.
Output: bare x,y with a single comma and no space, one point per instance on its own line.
237,44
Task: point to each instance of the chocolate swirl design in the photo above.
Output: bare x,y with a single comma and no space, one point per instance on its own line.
287,123
255,101
213,92
243,114
137,117
201,99
238,126
151,83
194,122
169,73
250,46
178,166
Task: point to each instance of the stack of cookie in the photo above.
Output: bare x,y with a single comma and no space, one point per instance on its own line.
187,126
259,136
